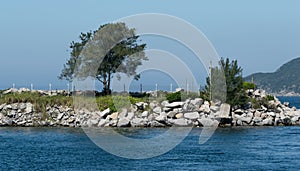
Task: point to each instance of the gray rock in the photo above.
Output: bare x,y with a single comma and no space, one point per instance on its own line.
157,110
267,122
105,112
29,108
171,114
197,102
145,114
102,122
257,114
214,108
257,119
2,106
175,105
246,119
21,123
166,109
138,122
60,116
156,124
130,115
277,121
181,122
164,103
239,111
162,117
123,113
205,107
208,122
179,115
239,122
192,115
123,122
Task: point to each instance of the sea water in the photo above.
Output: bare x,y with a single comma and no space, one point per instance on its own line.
243,148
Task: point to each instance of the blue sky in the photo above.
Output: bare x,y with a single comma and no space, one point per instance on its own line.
35,35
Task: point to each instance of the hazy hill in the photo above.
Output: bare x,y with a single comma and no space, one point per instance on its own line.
285,80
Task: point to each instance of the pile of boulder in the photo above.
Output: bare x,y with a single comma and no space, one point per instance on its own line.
191,112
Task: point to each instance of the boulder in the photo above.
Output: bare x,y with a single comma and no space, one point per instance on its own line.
181,122
214,108
192,115
175,105
130,115
246,119
208,122
157,110
164,103
123,122
197,102
102,122
179,115
162,117
224,111
137,122
29,108
113,115
105,112
268,121
145,114
60,116
171,114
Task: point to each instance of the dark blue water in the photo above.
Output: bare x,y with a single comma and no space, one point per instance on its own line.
247,148
293,100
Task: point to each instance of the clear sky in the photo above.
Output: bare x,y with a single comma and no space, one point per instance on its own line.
35,35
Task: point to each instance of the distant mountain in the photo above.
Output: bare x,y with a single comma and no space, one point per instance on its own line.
286,80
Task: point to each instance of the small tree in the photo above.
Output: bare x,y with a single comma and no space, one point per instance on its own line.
235,93
124,57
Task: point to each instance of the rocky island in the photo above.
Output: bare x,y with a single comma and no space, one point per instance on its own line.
191,112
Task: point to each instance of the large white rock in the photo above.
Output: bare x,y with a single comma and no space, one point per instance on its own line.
197,102
29,108
208,122
224,110
162,117
192,115
175,105
105,112
181,122
157,110
60,116
145,114
123,122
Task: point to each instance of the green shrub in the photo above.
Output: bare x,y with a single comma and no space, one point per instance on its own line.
173,97
248,85
181,96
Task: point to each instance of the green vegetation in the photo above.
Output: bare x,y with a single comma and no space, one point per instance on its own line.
248,85
180,96
235,92
39,101
286,78
100,57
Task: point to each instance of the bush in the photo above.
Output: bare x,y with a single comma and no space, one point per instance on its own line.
173,97
248,85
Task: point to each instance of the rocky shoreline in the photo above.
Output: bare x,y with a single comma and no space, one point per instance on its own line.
192,112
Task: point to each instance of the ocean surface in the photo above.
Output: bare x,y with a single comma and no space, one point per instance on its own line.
242,148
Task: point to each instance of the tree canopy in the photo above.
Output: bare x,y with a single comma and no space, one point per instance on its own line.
235,93
103,53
